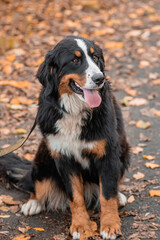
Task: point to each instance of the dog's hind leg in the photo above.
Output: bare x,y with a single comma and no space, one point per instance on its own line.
32,206
36,203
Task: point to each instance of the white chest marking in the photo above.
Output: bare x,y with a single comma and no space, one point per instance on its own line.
67,141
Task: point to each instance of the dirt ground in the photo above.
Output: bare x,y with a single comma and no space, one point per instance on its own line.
129,34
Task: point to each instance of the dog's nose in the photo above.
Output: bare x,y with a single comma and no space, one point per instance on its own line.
98,78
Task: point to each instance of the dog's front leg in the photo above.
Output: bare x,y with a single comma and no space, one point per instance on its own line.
109,218
80,217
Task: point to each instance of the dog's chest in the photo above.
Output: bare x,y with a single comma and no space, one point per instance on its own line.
67,141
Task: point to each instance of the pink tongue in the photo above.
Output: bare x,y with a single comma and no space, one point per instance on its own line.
92,98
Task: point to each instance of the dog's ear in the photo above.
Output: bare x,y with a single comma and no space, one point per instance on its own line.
47,75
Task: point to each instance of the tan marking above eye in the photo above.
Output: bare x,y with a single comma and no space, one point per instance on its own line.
91,50
78,53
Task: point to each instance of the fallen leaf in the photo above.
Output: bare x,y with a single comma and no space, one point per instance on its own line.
125,101
4,216
149,157
156,82
131,91
155,193
134,33
136,150
21,100
151,165
16,84
93,225
4,208
29,156
18,65
21,237
39,229
102,32
10,58
114,45
138,175
149,112
131,199
144,64
7,70
142,124
15,107
138,102
19,131
157,113
14,209
86,235
143,138
4,232
23,229
9,200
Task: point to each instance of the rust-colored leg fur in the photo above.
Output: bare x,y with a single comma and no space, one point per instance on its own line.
109,219
80,217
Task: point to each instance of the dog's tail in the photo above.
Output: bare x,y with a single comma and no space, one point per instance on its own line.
17,171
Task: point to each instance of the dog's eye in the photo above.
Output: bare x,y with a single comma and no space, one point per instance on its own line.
95,58
76,60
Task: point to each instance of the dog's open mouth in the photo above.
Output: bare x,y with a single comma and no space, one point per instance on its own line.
91,96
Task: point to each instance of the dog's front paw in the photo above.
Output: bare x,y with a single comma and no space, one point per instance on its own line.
31,207
110,231
78,229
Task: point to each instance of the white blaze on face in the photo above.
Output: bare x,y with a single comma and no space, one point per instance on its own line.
92,66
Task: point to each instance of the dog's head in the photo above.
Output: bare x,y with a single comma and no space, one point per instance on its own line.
75,67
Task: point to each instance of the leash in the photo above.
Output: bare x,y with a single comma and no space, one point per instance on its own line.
17,145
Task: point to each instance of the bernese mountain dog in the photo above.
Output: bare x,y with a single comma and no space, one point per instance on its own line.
84,152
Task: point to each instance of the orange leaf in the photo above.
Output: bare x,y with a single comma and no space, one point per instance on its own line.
157,113
149,157
4,208
142,124
84,35
18,65
7,70
21,100
10,58
93,225
23,229
19,131
136,150
104,31
4,216
21,237
144,64
138,175
153,193
16,84
114,45
156,82
91,233
9,200
131,91
152,165
131,199
138,102
39,229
